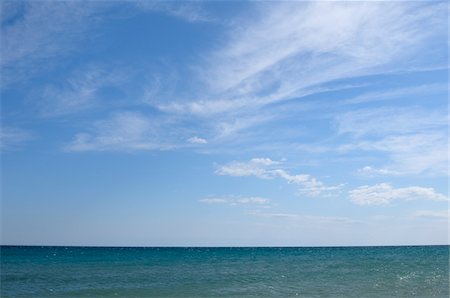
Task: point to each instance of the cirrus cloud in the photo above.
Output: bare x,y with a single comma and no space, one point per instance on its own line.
233,201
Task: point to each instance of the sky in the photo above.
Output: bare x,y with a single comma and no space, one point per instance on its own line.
233,123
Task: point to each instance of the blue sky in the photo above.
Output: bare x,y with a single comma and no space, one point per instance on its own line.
224,123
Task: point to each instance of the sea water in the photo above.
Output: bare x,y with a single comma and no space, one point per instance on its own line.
404,271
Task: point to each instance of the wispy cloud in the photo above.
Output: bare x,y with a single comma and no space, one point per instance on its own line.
284,49
257,167
384,194
125,131
197,140
381,121
230,127
399,93
278,52
234,201
34,33
310,219
370,171
282,52
411,154
190,11
78,92
129,131
13,138
276,215
289,50
265,168
431,214
414,139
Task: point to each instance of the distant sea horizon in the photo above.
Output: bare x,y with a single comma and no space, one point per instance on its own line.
350,271
218,246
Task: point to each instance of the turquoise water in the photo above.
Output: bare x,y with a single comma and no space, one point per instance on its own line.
408,271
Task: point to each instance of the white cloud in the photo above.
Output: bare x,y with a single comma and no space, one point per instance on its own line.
415,140
188,11
197,140
277,52
12,137
125,131
200,108
276,215
285,48
255,167
289,50
390,121
252,200
400,93
230,128
431,214
265,168
214,201
309,185
370,171
264,161
233,201
384,194
309,219
233,105
413,153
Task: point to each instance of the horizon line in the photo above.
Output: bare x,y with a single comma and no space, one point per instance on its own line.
180,246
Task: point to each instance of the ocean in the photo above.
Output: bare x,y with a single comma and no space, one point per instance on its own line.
402,271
